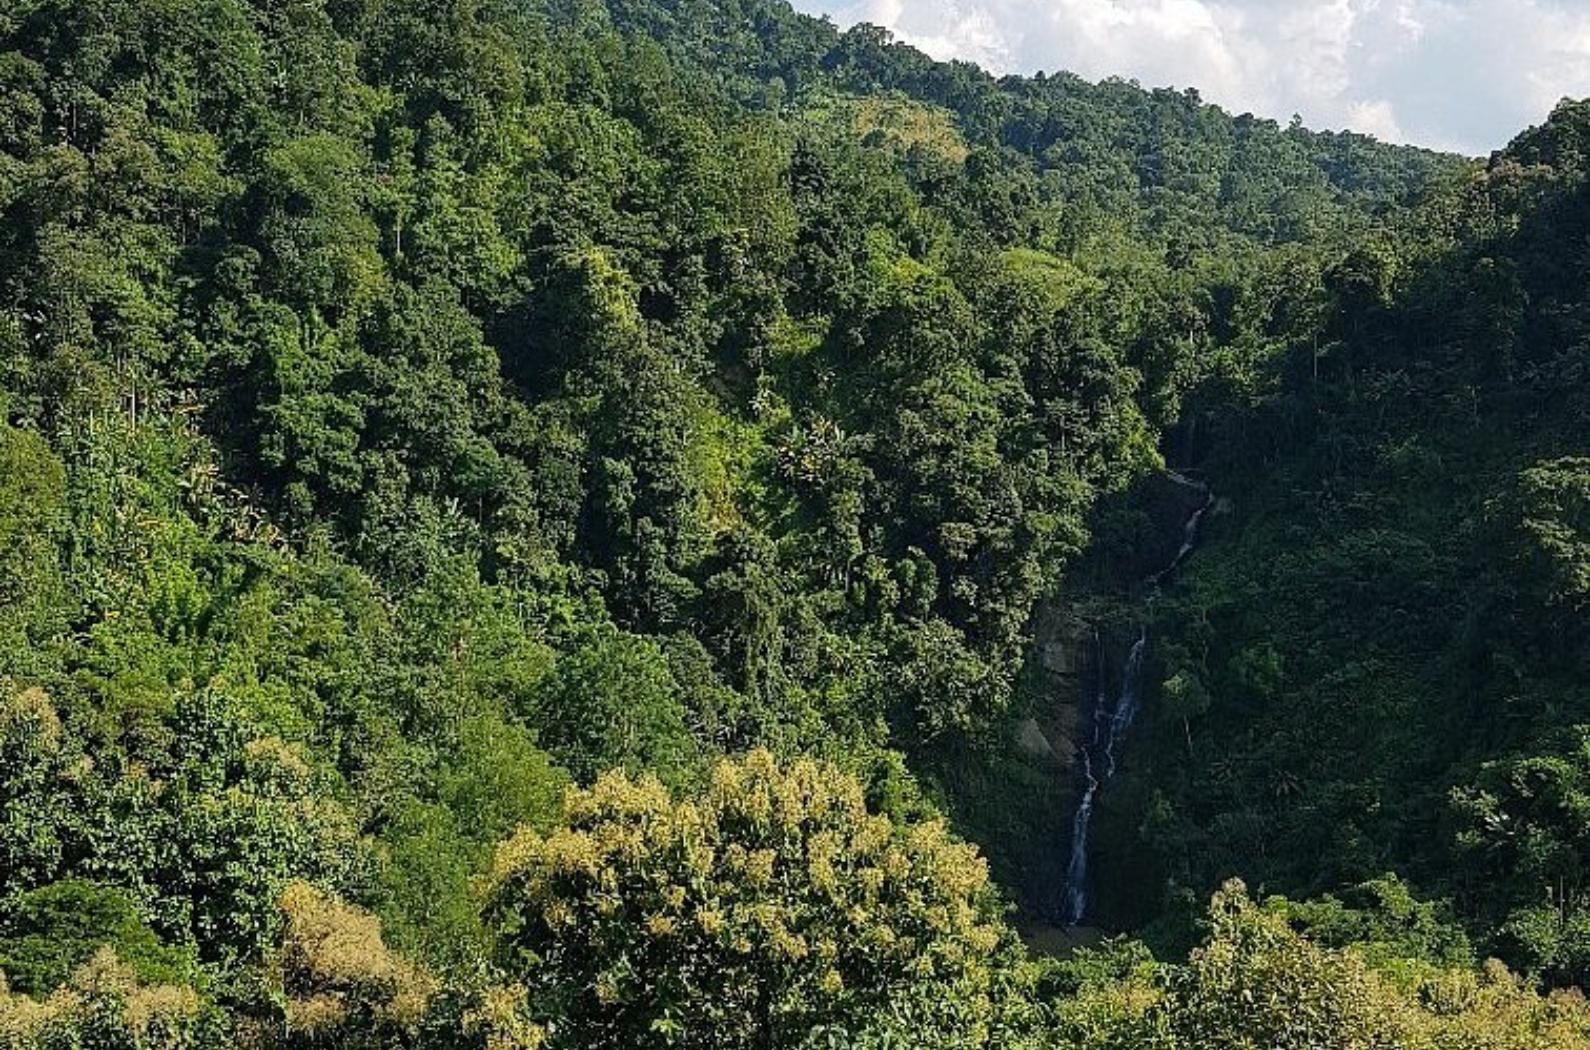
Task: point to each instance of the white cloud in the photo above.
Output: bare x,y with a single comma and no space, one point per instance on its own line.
1378,119
1455,74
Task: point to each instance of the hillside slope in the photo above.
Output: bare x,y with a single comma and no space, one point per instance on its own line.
1386,636
518,522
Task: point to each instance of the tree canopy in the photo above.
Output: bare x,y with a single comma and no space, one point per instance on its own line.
567,523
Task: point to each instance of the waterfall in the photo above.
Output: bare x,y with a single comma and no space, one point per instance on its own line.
1076,893
1110,723
1126,707
1189,531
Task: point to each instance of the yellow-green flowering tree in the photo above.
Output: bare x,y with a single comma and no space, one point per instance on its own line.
344,986
771,911
1258,984
103,1005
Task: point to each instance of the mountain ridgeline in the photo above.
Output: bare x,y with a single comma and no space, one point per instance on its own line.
538,523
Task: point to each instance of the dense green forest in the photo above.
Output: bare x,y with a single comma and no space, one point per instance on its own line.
535,523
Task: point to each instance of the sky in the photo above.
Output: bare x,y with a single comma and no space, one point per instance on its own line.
1462,75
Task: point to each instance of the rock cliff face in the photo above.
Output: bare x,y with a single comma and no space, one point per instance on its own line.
1081,642
1170,502
1067,629
1065,644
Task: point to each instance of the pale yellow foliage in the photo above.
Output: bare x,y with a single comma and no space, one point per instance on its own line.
774,882
1495,1010
29,714
499,1016
104,996
274,757
898,123
334,964
1260,983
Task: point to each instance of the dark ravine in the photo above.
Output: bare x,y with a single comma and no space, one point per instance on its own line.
1099,754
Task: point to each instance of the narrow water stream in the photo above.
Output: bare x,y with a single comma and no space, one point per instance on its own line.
1111,721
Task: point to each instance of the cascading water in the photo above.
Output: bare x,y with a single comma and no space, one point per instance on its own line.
1111,723
1098,766
1126,707
1076,895
1189,532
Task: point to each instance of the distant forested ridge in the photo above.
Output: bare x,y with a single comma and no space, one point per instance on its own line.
524,523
